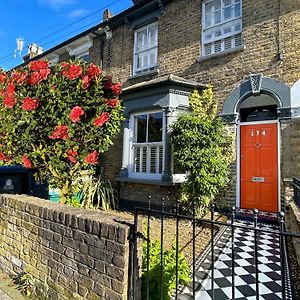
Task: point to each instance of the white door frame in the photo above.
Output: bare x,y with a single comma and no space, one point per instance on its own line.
238,158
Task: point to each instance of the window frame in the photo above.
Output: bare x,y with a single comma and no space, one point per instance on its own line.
223,36
132,143
149,68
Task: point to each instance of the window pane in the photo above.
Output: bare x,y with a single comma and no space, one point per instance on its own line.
141,40
155,127
141,128
152,57
152,36
237,8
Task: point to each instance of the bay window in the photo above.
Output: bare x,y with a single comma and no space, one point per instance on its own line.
147,145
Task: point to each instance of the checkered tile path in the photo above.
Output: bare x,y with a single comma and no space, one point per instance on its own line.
269,265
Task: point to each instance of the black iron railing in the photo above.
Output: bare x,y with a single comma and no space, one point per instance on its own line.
232,226
296,184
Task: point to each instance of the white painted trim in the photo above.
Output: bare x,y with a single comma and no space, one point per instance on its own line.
238,166
238,159
80,46
258,122
278,166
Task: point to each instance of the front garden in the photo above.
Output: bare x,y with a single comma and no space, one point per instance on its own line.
59,120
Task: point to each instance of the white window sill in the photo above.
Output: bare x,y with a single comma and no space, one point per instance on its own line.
144,181
207,57
147,73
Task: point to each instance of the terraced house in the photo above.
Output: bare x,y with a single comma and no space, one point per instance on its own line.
161,50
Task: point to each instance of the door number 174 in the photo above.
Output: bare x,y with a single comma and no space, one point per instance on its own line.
258,132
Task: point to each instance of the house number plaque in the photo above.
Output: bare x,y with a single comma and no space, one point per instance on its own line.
258,132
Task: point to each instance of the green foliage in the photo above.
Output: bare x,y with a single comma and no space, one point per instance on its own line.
169,270
97,193
203,147
36,105
25,283
204,106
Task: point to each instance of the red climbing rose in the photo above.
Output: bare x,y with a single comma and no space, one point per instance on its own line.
60,132
26,162
76,113
3,157
9,101
71,71
93,71
92,158
71,156
112,102
102,119
116,89
38,65
29,104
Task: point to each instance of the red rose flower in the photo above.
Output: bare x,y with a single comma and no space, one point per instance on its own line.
34,78
10,90
44,73
3,157
112,103
86,81
71,156
26,162
92,158
29,104
2,77
71,71
93,71
60,132
19,77
9,101
76,113
38,65
102,119
116,89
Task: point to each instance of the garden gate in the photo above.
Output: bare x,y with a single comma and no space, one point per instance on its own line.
246,256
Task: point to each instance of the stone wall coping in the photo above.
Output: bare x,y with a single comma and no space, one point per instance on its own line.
38,206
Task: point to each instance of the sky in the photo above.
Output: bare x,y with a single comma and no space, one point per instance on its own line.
47,23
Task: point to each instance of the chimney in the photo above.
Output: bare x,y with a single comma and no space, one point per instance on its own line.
34,50
107,14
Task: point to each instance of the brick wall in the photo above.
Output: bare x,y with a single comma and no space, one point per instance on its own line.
293,225
71,253
270,28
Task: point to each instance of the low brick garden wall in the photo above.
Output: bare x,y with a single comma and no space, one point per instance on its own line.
70,253
293,225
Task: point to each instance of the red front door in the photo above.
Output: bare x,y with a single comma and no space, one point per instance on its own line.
259,167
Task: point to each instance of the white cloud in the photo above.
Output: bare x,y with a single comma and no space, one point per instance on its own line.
77,13
56,4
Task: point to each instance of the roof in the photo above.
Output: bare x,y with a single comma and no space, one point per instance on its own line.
138,9
163,80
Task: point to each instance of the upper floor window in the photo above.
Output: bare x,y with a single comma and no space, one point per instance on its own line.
145,49
147,148
221,26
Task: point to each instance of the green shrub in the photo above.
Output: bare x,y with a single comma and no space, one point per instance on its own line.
203,148
169,271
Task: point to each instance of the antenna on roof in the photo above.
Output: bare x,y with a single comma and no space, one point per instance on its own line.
20,45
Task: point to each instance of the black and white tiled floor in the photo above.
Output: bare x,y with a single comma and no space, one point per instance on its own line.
269,266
